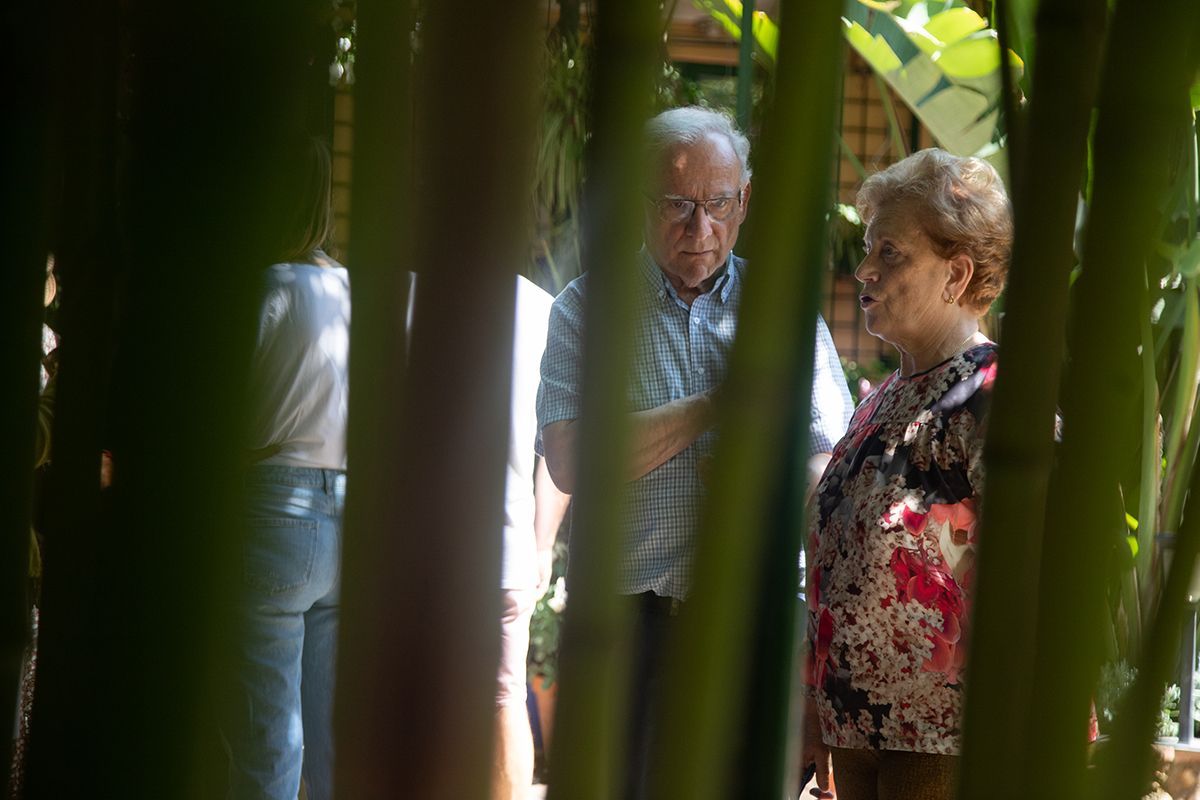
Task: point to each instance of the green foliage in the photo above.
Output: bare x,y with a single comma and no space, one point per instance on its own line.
546,625
558,171
873,372
846,231
1116,678
945,66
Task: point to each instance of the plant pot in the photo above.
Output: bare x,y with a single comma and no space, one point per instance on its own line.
544,695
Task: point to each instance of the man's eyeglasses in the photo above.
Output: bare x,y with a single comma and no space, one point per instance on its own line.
680,209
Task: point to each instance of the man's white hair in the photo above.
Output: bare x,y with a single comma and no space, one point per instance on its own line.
688,125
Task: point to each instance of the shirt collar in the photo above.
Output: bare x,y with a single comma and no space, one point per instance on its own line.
658,279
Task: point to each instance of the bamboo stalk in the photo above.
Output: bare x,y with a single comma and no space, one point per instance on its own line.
1178,432
473,146
372,648
1018,451
144,573
24,193
1142,81
767,401
1150,472
587,757
1128,763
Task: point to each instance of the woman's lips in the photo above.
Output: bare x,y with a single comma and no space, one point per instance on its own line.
865,300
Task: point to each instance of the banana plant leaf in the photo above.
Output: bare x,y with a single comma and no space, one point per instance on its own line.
944,64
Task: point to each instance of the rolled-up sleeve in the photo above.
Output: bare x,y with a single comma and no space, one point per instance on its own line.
832,407
559,397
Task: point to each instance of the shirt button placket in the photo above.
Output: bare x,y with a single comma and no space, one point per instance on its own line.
696,348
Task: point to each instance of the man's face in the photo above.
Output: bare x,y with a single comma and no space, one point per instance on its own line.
691,249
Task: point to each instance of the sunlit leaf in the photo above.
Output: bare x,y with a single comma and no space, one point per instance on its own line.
877,52
1189,259
955,24
973,57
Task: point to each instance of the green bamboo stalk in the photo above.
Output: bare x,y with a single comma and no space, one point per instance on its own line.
593,662
1151,472
767,392
1179,432
25,164
1128,763
154,570
69,679
1019,446
1143,79
373,650
1180,476
1184,395
473,158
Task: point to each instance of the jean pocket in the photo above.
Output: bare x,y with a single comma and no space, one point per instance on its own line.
278,556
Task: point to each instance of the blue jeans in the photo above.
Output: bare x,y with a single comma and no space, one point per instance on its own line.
279,718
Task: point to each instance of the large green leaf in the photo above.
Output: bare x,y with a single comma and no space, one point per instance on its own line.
729,14
945,67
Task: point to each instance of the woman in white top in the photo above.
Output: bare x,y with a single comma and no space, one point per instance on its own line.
278,724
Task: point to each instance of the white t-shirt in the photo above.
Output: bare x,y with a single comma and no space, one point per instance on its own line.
532,316
298,379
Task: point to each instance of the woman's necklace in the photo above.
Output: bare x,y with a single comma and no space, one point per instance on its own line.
962,347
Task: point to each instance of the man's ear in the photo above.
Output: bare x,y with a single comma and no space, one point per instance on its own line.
962,269
745,200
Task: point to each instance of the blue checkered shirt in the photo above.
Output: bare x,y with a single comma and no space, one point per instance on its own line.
678,351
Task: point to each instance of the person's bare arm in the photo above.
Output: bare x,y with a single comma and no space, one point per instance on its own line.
657,435
816,468
815,751
550,506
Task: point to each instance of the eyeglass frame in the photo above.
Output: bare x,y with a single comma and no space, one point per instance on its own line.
658,201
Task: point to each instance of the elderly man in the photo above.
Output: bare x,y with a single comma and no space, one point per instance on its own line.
687,303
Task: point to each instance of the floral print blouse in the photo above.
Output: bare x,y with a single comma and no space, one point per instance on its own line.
892,560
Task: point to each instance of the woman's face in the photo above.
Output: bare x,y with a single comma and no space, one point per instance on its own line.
904,281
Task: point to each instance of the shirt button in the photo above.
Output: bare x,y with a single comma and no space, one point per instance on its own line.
699,370
695,320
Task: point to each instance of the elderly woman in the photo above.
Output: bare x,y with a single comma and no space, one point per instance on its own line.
892,544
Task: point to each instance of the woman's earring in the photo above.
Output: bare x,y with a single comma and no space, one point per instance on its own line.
950,298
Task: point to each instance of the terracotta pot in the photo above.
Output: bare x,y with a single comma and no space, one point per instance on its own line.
544,694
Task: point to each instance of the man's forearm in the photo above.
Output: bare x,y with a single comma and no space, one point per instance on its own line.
659,434
550,506
656,435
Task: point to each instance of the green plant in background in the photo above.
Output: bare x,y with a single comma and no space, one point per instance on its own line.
941,58
558,169
1116,680
546,625
845,239
563,135
873,372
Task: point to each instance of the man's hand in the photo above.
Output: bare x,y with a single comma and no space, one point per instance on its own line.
816,752
545,567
